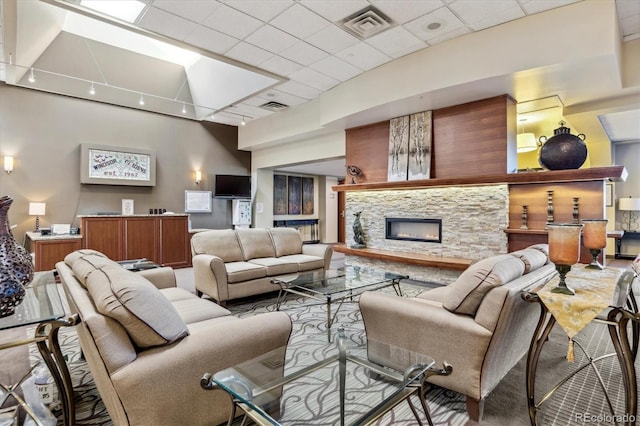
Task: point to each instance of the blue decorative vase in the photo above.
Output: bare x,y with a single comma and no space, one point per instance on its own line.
16,266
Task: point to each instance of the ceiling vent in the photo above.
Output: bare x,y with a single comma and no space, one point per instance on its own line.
274,106
367,22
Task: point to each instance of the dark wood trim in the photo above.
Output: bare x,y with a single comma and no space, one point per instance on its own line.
613,173
418,259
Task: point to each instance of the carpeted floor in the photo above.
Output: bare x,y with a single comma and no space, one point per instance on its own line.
505,406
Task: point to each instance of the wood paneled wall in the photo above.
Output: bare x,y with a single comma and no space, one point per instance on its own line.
472,139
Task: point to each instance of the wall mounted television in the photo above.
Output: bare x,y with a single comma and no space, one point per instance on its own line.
232,186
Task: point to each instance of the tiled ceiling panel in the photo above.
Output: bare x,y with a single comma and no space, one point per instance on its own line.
299,22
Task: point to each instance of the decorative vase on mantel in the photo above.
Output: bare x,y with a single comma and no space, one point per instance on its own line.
563,150
16,266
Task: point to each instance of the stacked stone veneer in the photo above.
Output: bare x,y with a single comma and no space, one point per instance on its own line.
473,223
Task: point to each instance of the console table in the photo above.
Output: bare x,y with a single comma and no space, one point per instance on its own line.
611,290
42,305
627,235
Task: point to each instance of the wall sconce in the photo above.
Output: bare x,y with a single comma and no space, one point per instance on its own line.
8,164
198,177
37,210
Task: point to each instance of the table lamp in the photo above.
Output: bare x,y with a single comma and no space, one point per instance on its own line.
594,237
37,210
629,206
564,251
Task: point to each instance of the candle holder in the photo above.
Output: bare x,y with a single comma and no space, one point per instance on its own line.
564,251
594,237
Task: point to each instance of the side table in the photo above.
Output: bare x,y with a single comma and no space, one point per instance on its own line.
42,306
626,235
587,304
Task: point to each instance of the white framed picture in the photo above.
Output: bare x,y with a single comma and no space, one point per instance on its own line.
127,207
197,201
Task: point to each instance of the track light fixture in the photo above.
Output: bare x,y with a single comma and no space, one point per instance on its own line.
32,78
92,89
141,101
184,108
243,122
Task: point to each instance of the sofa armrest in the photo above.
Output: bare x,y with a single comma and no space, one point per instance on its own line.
162,386
324,251
425,327
160,277
210,276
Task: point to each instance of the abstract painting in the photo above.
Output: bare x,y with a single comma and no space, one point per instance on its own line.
398,149
279,194
295,194
307,195
420,145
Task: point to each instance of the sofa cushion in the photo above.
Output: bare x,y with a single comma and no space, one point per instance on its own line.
532,258
197,309
466,293
255,243
244,271
218,242
276,266
305,262
148,317
286,241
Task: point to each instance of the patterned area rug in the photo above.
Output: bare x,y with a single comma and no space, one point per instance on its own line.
506,405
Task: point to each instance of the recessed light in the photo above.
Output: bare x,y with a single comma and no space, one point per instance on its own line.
434,26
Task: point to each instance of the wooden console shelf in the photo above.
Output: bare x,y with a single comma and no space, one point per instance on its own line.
454,263
614,173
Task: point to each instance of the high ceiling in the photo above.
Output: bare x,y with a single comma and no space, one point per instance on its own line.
255,58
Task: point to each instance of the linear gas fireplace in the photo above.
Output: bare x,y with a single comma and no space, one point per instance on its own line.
414,229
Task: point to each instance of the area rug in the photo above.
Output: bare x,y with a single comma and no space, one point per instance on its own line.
505,406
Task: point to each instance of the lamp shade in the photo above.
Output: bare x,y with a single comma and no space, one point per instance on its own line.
629,204
37,209
526,142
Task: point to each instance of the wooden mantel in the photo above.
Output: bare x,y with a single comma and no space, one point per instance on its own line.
613,173
418,259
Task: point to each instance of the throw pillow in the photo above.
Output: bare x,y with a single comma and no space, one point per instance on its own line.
148,317
84,265
532,258
466,293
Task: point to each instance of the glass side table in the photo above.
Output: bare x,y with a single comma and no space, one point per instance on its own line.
42,306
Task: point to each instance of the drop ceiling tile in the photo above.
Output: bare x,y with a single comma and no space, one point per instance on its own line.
262,10
332,39
335,11
396,42
630,25
481,15
194,10
336,68
165,23
248,53
282,97
231,22
271,39
444,17
300,90
250,111
280,66
314,79
299,21
303,53
535,6
402,11
448,36
363,56
211,40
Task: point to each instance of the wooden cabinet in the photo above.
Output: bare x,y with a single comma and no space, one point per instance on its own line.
49,250
163,239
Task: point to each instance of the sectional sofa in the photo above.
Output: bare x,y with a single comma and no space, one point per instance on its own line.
230,264
148,343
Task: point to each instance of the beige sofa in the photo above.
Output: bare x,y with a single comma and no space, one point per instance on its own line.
479,324
148,345
230,264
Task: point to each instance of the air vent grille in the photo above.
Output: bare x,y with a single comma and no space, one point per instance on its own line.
367,22
274,106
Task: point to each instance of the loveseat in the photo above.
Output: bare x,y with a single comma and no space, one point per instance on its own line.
479,323
148,343
230,264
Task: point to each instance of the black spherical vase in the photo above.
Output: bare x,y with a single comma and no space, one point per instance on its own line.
16,266
563,150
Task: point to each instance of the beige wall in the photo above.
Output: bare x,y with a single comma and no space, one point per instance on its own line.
44,132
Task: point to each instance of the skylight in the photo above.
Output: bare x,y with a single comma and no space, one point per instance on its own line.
126,10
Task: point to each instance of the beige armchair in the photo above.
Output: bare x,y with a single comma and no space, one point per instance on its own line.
479,323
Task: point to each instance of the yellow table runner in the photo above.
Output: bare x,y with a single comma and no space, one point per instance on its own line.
594,292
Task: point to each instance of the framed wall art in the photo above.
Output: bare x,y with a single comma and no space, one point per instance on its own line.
197,201
112,165
419,146
398,149
295,194
279,194
307,195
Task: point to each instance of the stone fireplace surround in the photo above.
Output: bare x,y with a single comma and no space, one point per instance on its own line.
473,223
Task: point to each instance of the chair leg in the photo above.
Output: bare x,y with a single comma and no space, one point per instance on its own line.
198,293
475,409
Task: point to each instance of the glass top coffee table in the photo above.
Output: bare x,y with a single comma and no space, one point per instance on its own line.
335,285
280,388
